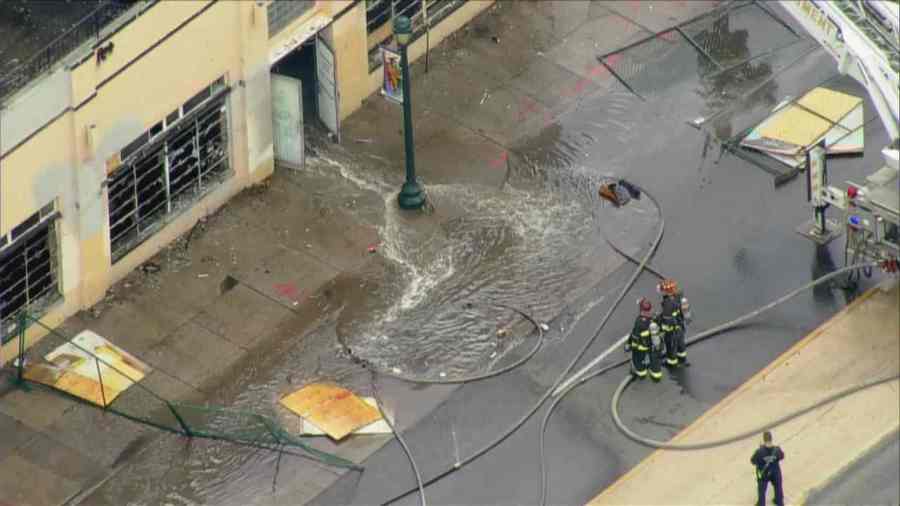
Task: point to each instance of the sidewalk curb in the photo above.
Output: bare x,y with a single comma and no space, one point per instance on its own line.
890,434
760,375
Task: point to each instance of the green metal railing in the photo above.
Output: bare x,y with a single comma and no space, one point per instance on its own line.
141,404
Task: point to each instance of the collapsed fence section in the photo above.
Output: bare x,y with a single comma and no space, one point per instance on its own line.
89,369
729,68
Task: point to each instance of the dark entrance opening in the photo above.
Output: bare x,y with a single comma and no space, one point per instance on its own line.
301,64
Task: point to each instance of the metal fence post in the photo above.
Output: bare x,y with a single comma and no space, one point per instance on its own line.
100,378
184,426
23,320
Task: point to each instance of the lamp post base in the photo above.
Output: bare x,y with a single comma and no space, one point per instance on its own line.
411,196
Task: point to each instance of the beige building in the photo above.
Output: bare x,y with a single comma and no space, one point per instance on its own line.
112,149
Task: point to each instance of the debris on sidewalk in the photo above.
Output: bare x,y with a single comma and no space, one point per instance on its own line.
795,126
150,268
74,368
308,428
335,410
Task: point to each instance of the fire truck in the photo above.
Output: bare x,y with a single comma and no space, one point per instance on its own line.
863,36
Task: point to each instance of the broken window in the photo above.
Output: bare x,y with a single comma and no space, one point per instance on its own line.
28,277
170,174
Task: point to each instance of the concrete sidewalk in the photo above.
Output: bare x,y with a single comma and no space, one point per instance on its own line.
300,242
858,345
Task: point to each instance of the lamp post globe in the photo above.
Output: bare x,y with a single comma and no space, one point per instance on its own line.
411,194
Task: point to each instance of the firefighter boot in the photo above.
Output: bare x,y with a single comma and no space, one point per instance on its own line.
671,356
638,363
656,364
681,348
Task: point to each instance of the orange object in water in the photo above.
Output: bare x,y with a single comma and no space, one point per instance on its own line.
608,192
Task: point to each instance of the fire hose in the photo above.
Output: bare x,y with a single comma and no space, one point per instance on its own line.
642,265
730,325
465,379
521,421
397,434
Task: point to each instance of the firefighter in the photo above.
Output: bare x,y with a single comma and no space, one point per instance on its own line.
672,320
639,343
767,460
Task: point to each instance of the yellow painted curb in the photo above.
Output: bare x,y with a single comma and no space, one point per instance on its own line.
744,386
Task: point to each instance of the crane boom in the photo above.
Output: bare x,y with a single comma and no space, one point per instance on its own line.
862,37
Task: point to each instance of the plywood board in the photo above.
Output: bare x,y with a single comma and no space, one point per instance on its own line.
335,410
834,105
849,135
794,126
377,427
790,129
75,369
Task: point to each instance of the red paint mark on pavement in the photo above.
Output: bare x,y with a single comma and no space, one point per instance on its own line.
287,290
527,107
669,36
548,118
613,59
598,70
581,85
500,161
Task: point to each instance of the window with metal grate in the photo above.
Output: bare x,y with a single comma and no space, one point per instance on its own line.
28,276
281,13
169,174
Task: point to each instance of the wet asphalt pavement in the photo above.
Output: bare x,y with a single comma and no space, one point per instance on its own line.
731,242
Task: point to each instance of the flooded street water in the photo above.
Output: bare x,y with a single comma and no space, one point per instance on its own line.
433,309
433,302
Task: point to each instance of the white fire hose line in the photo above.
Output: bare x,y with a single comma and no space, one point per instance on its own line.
614,407
577,380
540,402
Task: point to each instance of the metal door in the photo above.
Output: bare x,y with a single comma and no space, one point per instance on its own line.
326,84
287,120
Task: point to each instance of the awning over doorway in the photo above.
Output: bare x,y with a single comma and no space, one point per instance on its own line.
300,35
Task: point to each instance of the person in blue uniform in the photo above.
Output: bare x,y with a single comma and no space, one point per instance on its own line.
767,460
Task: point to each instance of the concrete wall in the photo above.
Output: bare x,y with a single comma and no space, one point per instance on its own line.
80,117
59,134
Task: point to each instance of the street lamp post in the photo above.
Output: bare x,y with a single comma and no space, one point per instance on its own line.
411,195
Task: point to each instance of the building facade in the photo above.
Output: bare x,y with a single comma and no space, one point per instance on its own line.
126,141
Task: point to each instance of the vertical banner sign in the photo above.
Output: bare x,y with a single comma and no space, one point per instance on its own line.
393,77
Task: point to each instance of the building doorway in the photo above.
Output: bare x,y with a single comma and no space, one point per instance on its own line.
304,95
